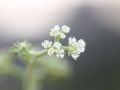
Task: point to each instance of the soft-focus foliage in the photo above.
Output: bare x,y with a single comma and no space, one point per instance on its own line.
5,62
54,68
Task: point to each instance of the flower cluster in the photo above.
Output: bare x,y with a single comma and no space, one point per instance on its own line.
60,32
74,48
53,48
20,47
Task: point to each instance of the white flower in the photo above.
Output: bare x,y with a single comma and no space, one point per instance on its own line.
65,29
75,48
60,53
57,45
55,31
82,45
51,51
47,44
57,27
62,35
72,41
59,32
75,56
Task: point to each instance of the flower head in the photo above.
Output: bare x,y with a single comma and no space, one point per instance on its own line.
46,44
76,47
62,35
51,51
55,31
65,29
82,45
57,45
20,47
54,48
60,53
59,32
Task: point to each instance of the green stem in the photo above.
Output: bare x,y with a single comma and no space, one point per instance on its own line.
30,81
40,54
66,48
57,39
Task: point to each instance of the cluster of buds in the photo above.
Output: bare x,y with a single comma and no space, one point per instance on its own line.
74,48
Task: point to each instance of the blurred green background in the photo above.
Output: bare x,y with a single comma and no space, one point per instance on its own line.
96,21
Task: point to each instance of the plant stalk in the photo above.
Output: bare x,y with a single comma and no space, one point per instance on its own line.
30,81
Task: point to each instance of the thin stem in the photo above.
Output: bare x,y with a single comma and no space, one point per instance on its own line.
30,81
57,39
65,48
40,54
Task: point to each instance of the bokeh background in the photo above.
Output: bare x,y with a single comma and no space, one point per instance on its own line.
96,21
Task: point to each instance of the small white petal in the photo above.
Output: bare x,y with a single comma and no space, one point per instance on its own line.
82,50
76,47
72,40
57,27
75,56
51,33
82,43
46,44
65,29
54,32
61,55
57,45
51,51
62,35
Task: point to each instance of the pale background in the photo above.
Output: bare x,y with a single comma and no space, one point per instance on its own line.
96,21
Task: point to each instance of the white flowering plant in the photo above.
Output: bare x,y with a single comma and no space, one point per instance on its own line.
74,48
38,67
